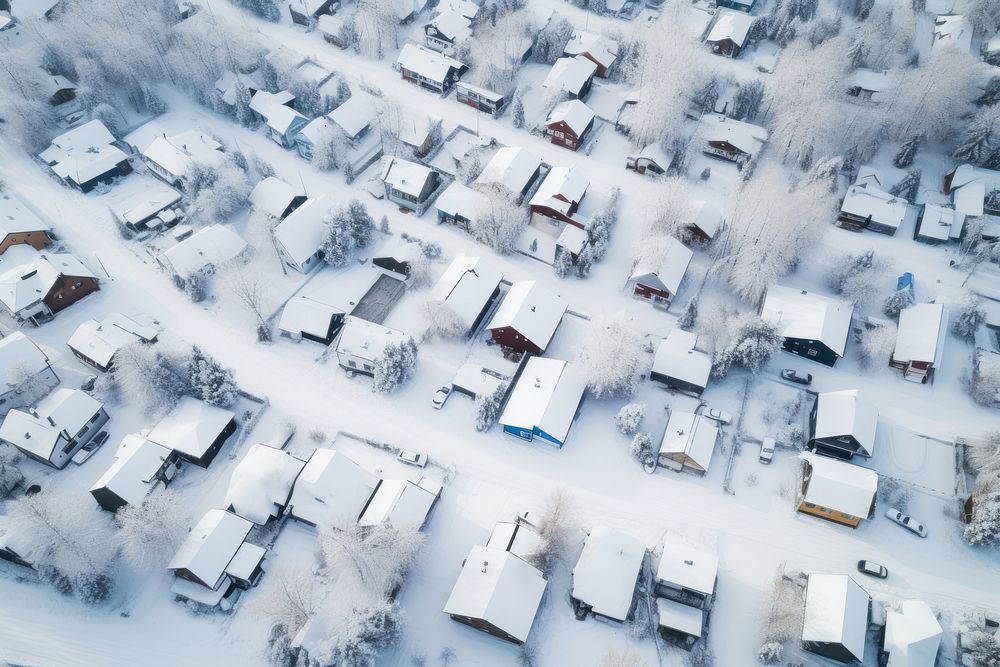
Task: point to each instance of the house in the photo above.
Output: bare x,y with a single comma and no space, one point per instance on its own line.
204,251
96,343
399,256
408,184
56,428
837,491
35,286
568,124
540,241
480,98
571,76
513,167
659,284
335,27
939,224
25,373
172,158
215,564
686,574
868,206
151,207
652,159
605,576
331,491
813,326
688,442
678,364
952,31
729,33
527,318
306,318
836,617
544,401
732,140
919,341
912,635
596,48
400,502
282,122
705,222
474,381
446,30
298,238
679,623
306,12
558,197
86,156
467,290
62,97
974,191
738,5
360,344
868,84
231,85
261,484
195,430
425,68
275,198
316,132
139,467
19,225
355,116
497,592
843,425
459,205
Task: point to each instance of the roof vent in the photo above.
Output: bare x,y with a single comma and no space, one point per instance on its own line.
689,562
485,564
27,436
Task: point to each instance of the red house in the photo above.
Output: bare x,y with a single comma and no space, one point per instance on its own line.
659,284
559,196
528,318
598,49
569,123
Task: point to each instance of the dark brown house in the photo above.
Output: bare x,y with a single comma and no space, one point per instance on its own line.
44,285
569,123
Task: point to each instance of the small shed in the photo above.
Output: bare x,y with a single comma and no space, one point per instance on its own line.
474,381
659,283
195,430
605,576
678,364
919,341
679,621
688,442
843,425
836,617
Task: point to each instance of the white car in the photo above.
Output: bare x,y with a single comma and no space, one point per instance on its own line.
905,521
412,458
718,415
440,396
766,450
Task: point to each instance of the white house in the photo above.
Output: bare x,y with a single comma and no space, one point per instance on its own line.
282,122
400,502
24,372
970,188
544,401
172,158
467,288
195,430
688,442
513,167
306,318
56,428
276,198
842,424
919,341
605,576
360,343
868,206
331,491
459,205
86,156
299,237
96,343
571,76
407,183
912,635
836,617
659,283
686,572
261,484
837,491
205,250
139,467
677,363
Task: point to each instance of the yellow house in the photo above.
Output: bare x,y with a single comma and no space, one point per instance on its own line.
836,490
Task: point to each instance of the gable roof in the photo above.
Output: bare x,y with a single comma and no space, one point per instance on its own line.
331,490
366,340
99,341
466,286
262,482
132,475
844,413
303,314
211,546
743,136
866,199
691,435
461,200
272,106
602,49
191,427
532,310
683,566
301,233
969,187
407,177
16,218
177,154
546,397
676,357
570,74
400,502
428,64
273,196
734,26
452,25
669,275
355,115
840,486
920,333
511,166
30,275
19,356
83,153
562,187
210,246
64,411
836,612
605,575
940,223
912,635
575,114
808,316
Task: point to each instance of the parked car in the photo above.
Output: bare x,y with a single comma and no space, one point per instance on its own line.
412,458
88,449
718,415
905,521
440,396
766,450
872,569
790,375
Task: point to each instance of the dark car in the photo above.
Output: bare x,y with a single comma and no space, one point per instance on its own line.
872,569
790,375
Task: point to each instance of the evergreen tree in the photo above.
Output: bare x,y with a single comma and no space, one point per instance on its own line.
517,111
747,100
690,315
488,408
563,263
210,381
908,187
337,244
907,152
991,94
969,317
395,365
361,223
896,302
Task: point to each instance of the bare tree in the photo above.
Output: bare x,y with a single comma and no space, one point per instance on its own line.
249,289
290,599
149,533
375,558
612,355
554,531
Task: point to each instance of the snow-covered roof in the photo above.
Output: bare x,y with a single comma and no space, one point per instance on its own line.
570,74
845,413
461,200
364,339
229,84
83,153
466,286
836,612
683,566
511,166
191,427
332,24
33,9
676,616
676,357
602,49
355,115
970,185
405,176
473,378
132,475
606,574
532,310
669,274
426,63
869,79
912,635
745,137
261,483
868,200
16,218
211,546
29,275
99,341
210,246
177,154
518,538
400,502
734,26
708,217
20,357
840,486
808,316
466,8
573,238
331,490
303,314
38,431
546,397
656,154
138,204
562,187
574,113
499,588
314,73
452,25
301,233
940,222
273,196
691,436
952,31
272,106
919,333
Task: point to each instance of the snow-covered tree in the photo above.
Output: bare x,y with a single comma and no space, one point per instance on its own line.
747,100
877,344
908,186
672,210
601,224
689,315
629,418
984,15
984,528
641,449
554,528
395,365
856,277
375,559
360,223
250,290
266,9
879,42
10,471
551,40
896,302
337,243
501,222
330,151
211,381
751,345
770,653
377,27
153,377
517,111
907,152
149,533
969,316
442,321
984,648
981,137
488,408
290,599
985,383
215,192
363,636
494,55
611,356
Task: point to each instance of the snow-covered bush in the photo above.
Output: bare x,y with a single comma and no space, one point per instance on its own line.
985,383
599,232
984,456
150,532
375,558
969,316
907,152
770,653
752,343
330,150
611,355
689,315
266,9
897,301
877,344
642,450
553,531
10,472
984,648
856,276
501,223
345,229
364,635
488,408
984,527
395,365
211,381
196,286
629,418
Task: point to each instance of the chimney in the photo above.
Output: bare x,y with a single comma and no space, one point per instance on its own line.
51,422
485,564
689,562
27,436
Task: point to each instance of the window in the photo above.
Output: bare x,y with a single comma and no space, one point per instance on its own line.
368,367
97,415
811,353
558,134
352,364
